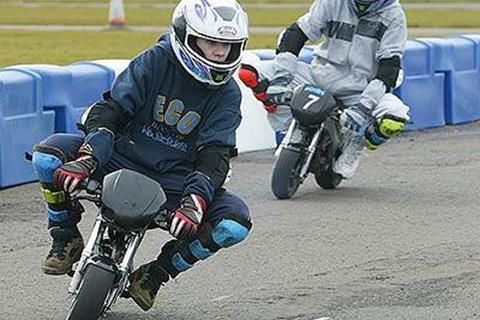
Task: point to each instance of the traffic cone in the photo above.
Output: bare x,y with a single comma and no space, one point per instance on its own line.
116,14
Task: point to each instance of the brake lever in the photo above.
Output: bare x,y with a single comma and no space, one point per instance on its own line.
93,191
91,186
163,219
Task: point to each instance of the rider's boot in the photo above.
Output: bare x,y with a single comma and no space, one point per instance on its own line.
354,121
67,246
145,283
386,128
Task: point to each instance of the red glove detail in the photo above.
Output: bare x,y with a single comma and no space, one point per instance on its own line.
68,175
271,107
262,96
248,75
186,219
250,78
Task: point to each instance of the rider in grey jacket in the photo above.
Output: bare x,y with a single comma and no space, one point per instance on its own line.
359,62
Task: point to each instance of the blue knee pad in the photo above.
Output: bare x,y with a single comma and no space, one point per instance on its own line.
199,251
229,232
57,216
180,263
45,165
225,234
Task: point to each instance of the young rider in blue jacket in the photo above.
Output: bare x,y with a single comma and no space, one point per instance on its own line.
171,115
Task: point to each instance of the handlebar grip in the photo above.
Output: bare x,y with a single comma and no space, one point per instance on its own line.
91,186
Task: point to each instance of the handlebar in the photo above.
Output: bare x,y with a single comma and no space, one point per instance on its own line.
93,191
91,186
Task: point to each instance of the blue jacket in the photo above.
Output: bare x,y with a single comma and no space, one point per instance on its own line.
172,116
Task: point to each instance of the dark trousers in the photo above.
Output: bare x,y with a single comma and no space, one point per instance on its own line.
225,223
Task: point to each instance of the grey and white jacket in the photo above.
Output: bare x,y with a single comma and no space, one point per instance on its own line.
346,62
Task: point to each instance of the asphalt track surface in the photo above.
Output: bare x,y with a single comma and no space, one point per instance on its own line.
401,240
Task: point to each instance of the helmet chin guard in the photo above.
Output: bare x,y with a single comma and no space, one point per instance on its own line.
213,20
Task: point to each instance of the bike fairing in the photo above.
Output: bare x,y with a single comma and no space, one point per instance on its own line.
168,127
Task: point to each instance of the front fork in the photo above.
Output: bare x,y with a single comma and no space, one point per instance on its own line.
133,242
86,254
310,149
286,140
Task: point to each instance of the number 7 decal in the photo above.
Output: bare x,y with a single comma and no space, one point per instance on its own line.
312,101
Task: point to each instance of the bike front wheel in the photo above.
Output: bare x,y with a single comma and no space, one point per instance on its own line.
90,299
285,177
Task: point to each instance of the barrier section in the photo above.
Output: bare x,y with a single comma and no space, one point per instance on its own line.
69,90
23,123
57,94
422,89
457,58
89,81
305,54
264,54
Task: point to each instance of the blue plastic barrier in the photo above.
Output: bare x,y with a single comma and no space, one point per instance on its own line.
23,123
89,81
422,89
56,91
457,58
264,54
71,89
305,54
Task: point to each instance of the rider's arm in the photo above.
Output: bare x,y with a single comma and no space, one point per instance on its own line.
392,46
292,40
110,115
215,146
310,26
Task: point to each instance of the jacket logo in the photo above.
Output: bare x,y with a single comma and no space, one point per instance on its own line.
172,114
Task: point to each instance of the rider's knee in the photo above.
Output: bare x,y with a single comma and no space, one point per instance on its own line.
386,128
230,231
45,164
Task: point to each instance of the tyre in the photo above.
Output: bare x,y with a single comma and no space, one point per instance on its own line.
324,175
328,179
285,178
89,302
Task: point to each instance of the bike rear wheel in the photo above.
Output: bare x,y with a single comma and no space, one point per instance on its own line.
89,301
285,178
324,175
328,179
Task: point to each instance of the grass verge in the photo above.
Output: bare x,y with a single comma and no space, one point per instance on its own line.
61,47
258,17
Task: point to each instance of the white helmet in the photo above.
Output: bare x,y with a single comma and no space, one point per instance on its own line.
216,20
